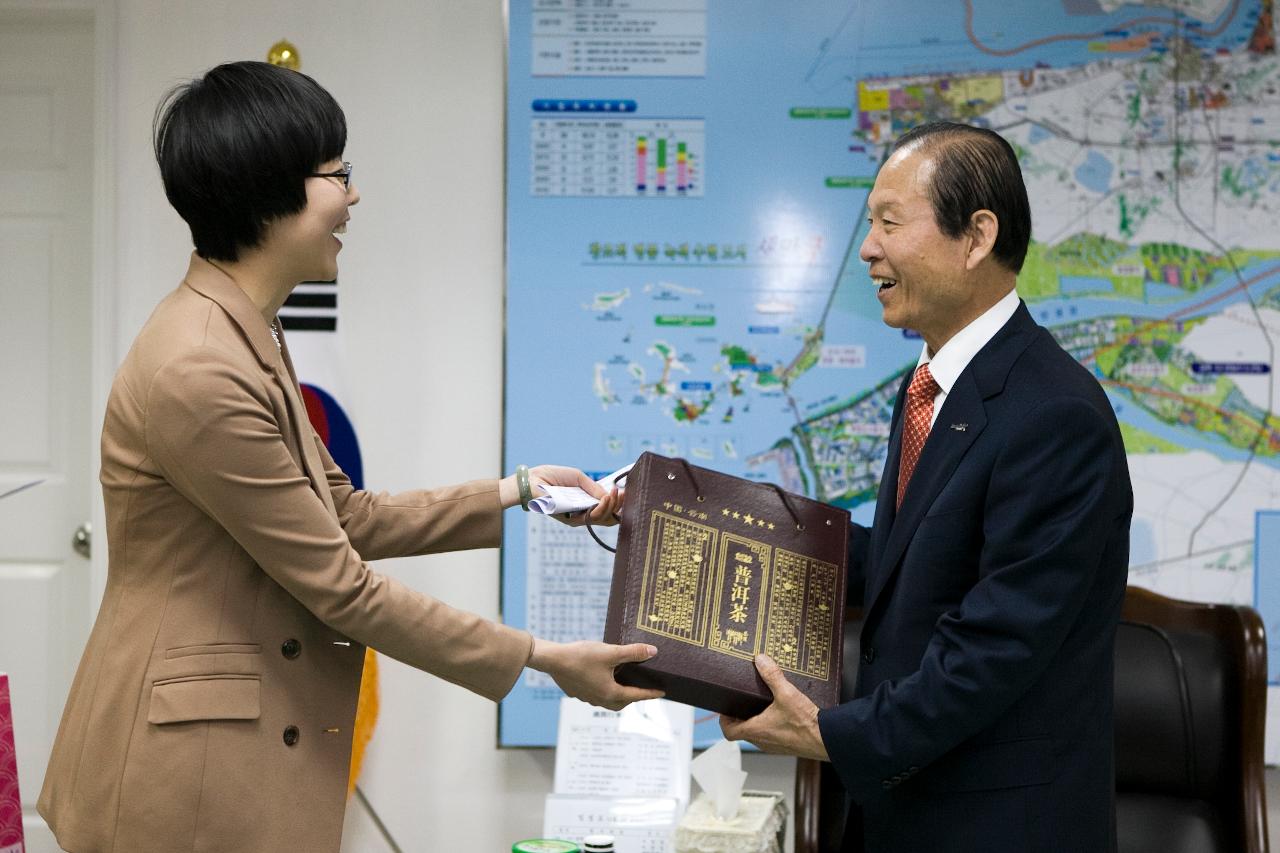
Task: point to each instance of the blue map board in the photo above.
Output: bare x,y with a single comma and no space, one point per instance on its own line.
1266,578
685,190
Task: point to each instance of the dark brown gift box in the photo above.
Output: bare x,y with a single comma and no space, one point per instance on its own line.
713,569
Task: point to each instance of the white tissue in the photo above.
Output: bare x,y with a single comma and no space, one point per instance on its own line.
719,773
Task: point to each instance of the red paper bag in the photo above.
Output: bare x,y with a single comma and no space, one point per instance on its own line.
11,840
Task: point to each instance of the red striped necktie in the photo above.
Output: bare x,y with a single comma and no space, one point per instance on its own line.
920,394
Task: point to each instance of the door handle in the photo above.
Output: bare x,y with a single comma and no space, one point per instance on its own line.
82,540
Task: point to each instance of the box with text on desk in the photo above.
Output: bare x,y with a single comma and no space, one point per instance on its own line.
714,569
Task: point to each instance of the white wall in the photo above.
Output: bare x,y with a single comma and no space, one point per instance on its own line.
421,301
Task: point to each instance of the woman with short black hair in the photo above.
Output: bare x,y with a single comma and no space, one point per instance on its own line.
213,706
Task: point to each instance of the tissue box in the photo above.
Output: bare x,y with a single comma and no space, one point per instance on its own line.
714,569
11,840
759,827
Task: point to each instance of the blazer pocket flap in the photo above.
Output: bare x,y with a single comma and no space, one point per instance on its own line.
228,697
952,524
992,766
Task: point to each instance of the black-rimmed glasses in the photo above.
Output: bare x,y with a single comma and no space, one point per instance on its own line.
344,173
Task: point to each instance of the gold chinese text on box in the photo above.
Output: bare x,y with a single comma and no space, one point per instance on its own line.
675,583
735,595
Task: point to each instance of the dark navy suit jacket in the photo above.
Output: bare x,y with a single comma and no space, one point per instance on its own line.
982,716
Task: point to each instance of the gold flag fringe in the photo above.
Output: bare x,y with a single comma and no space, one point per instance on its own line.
366,716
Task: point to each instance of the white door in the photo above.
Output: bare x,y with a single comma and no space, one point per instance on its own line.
46,137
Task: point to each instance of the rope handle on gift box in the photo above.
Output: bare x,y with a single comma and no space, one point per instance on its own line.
782,495
787,504
591,529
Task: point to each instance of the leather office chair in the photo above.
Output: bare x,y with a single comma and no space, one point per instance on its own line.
820,799
1190,709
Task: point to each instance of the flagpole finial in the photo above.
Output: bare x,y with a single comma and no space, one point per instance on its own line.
285,54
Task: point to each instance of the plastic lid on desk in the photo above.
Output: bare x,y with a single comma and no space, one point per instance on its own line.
545,845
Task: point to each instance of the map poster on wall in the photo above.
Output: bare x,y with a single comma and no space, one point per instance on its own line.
686,182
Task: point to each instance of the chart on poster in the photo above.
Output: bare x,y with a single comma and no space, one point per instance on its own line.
686,182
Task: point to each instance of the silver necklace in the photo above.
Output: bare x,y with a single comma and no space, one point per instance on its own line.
275,336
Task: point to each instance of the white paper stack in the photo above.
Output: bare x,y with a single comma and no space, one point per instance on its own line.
624,773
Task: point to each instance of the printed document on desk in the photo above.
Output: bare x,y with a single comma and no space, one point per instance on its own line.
644,750
637,824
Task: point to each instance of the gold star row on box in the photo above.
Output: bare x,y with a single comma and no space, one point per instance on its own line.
745,517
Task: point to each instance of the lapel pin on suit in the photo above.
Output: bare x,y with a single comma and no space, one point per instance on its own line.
959,427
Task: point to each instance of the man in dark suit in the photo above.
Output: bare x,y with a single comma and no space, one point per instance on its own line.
993,575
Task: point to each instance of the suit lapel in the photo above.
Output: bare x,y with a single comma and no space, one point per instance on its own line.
942,452
885,509
210,281
303,431
945,447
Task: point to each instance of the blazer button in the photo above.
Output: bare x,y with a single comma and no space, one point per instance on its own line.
290,735
868,654
291,648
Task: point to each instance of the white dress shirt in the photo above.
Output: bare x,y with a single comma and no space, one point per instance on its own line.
948,363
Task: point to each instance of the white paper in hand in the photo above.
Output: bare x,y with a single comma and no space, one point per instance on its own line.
560,499
719,773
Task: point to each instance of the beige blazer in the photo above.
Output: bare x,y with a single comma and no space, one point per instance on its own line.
213,707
